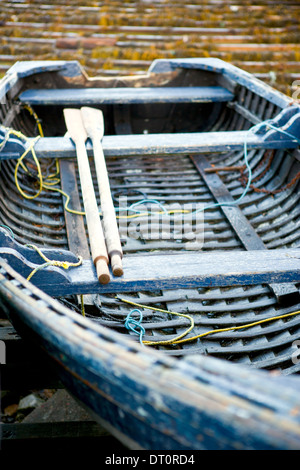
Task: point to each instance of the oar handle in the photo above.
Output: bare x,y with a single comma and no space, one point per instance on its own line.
95,231
110,225
96,236
93,122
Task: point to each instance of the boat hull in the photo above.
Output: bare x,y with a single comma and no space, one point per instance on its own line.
199,403
237,283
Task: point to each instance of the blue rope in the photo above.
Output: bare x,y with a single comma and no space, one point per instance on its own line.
143,201
154,201
252,129
9,229
131,324
267,123
210,206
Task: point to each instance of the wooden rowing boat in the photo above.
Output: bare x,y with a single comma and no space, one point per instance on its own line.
194,343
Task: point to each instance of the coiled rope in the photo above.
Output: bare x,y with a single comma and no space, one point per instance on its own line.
132,324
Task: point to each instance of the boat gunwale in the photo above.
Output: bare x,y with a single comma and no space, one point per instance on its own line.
195,383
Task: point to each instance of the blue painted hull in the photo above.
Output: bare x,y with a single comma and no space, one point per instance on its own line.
199,403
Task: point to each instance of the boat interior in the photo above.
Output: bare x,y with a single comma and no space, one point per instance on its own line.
269,208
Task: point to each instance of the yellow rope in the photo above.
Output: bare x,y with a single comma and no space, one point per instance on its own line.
20,162
220,330
53,176
52,180
180,339
173,211
49,262
82,305
72,211
44,185
47,185
37,120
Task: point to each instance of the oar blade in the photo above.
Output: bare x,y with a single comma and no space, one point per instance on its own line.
76,130
93,122
75,127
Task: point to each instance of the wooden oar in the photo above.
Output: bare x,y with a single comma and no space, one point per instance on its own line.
94,126
78,134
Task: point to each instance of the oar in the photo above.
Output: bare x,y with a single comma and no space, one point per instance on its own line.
94,126
78,134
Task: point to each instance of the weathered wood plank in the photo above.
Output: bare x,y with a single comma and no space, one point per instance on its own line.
89,96
76,233
153,144
162,144
163,271
228,70
240,224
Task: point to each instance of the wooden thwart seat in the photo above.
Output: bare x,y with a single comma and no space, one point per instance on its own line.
97,96
152,144
166,271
